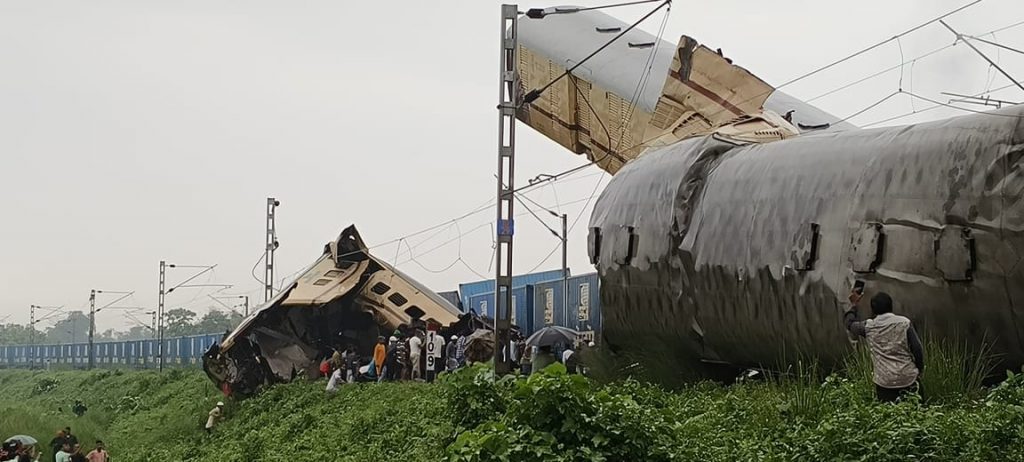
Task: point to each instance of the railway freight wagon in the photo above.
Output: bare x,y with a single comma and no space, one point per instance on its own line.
580,309
180,352
522,308
471,289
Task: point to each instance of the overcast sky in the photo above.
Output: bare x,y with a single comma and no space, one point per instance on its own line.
135,131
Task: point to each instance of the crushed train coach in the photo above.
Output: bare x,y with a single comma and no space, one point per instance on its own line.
347,297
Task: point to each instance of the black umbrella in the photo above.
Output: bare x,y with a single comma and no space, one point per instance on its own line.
552,335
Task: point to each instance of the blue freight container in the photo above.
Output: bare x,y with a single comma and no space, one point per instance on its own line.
522,310
585,306
470,289
583,312
547,304
453,297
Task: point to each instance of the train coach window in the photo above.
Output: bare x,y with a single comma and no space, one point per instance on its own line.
866,253
632,243
415,312
594,245
954,253
398,299
380,288
805,252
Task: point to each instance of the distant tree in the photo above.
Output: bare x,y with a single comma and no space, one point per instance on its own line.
137,333
216,321
18,334
74,328
179,321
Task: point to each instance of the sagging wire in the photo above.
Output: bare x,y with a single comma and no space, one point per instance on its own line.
936,106
482,225
253,272
962,38
818,70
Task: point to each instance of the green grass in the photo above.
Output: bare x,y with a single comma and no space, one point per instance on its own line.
799,414
148,416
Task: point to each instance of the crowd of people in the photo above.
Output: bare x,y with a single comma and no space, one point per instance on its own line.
416,355
422,355
64,447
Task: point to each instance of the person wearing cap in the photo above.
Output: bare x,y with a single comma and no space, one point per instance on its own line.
380,353
216,415
391,367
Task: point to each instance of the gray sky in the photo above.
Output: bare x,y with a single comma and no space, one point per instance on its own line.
135,131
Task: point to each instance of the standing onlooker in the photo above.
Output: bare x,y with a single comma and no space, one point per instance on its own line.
380,353
216,415
351,365
325,368
401,360
520,349
391,359
897,357
415,353
451,363
58,442
70,437
64,454
526,361
542,359
99,454
569,359
460,350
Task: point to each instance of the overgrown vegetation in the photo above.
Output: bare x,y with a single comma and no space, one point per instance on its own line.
799,414
556,417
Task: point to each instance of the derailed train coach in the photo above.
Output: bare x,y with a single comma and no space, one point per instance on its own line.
347,297
739,217
744,254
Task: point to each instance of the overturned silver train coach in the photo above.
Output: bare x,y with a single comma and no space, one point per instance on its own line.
744,253
347,297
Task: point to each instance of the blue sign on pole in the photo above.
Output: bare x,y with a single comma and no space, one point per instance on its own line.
506,227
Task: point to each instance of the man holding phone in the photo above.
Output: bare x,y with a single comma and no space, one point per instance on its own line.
897,357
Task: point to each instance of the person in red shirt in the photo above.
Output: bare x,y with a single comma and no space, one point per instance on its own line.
99,454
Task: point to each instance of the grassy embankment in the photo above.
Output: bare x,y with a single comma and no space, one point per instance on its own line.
145,416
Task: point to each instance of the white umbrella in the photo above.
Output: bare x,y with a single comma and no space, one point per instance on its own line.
24,439
551,335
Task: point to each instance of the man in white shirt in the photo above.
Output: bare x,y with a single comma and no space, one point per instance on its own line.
64,455
332,383
415,353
